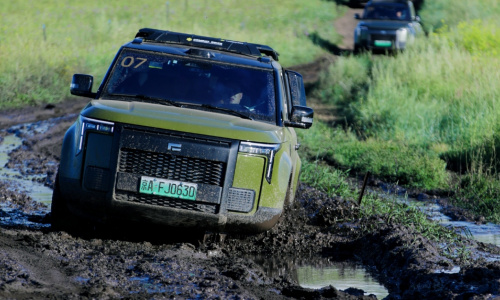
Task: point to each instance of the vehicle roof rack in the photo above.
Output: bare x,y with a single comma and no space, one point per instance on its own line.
169,37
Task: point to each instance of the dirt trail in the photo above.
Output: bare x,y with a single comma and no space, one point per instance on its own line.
345,27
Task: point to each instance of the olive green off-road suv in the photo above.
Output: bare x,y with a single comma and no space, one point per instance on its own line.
186,131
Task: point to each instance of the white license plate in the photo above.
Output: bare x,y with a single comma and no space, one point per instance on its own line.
383,43
168,188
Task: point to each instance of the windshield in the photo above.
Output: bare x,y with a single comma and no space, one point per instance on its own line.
389,11
198,84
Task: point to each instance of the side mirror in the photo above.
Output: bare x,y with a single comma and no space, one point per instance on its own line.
81,85
357,16
302,117
417,18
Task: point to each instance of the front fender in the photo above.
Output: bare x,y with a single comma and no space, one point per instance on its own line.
273,195
70,166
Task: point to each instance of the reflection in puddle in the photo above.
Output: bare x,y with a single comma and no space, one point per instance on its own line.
486,233
8,144
319,272
341,275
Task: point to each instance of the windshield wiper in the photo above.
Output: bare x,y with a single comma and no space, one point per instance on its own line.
222,109
155,100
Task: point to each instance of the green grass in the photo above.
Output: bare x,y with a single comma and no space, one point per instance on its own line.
390,161
83,36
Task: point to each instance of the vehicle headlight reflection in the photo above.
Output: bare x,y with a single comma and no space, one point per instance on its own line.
402,35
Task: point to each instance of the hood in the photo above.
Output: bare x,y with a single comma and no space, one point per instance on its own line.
184,120
384,24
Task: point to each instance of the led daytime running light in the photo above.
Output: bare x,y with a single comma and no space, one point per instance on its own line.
94,125
267,150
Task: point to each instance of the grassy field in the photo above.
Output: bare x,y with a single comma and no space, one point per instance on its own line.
43,43
428,117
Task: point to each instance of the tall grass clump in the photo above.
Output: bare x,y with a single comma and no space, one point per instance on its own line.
344,83
329,180
434,93
42,43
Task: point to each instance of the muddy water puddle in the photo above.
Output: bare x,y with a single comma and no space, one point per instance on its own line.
15,212
316,273
27,184
486,233
341,275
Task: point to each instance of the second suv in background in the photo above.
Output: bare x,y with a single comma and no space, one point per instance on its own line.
386,25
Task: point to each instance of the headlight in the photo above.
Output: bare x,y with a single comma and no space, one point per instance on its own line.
267,150
402,35
93,125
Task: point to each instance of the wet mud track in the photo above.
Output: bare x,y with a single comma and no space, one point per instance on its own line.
37,261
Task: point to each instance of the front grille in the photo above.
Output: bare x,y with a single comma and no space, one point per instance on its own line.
166,202
168,166
383,37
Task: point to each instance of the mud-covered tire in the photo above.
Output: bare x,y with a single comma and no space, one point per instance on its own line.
59,211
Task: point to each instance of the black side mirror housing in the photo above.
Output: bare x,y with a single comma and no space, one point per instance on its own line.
302,117
81,85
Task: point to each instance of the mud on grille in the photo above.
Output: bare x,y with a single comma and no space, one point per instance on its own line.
168,166
167,202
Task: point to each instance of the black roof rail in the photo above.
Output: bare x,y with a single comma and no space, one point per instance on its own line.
169,37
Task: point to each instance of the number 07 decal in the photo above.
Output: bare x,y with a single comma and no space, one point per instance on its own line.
128,61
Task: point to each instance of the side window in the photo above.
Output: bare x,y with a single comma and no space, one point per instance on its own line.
297,89
285,86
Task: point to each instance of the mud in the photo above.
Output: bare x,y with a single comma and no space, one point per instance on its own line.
106,263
